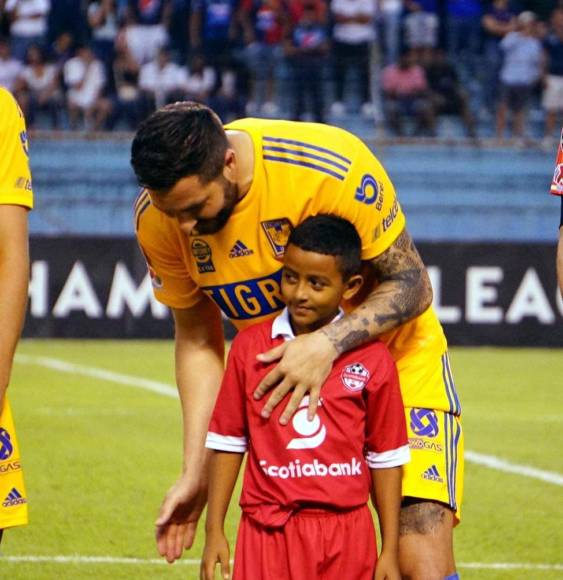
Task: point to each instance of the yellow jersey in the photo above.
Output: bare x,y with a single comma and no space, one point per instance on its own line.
15,176
15,189
300,169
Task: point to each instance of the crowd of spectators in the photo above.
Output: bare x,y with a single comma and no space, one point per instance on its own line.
102,64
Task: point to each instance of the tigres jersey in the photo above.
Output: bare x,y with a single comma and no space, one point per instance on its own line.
15,177
300,169
15,189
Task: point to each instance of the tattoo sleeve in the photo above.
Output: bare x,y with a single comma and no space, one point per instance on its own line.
402,291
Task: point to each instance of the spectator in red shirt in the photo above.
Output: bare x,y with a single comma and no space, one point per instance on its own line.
306,485
405,93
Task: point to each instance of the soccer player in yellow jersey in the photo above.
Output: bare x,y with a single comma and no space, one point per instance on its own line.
213,218
16,198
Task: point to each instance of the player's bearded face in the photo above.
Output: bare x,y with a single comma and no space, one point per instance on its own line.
212,225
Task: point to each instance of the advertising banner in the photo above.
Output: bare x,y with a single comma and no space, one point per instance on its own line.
484,294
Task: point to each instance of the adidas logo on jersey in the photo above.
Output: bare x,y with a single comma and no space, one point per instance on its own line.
13,498
239,250
432,474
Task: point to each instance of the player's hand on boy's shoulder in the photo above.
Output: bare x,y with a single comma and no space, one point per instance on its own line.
387,567
304,364
216,551
178,517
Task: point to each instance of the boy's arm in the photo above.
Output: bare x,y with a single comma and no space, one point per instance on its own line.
387,494
223,473
387,450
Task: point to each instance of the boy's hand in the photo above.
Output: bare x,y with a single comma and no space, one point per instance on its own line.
387,567
216,551
305,363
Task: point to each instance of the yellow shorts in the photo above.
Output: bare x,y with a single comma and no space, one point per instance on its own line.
435,470
13,499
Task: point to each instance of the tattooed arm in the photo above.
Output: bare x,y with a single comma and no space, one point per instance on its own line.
403,291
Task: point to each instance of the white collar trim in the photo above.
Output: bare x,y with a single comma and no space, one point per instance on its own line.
282,327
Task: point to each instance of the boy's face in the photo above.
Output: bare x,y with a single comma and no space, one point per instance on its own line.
312,288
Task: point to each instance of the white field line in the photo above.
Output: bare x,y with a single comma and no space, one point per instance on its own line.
168,390
501,465
77,559
96,373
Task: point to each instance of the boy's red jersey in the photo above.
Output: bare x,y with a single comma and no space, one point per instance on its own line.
325,463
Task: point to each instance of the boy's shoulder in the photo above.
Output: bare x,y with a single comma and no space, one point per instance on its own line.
255,336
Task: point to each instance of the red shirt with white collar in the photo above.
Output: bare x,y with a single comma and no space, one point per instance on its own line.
359,425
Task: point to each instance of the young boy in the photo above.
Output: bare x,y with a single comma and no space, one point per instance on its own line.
306,485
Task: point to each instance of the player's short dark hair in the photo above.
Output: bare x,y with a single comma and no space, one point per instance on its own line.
177,141
332,236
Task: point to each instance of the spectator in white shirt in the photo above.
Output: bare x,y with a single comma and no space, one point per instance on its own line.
85,78
28,24
520,73
161,80
103,22
38,88
10,67
198,79
353,36
390,13
421,31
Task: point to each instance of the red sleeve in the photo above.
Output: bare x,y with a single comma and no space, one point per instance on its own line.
228,426
557,181
386,431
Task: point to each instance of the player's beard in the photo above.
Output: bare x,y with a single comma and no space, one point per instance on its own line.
213,225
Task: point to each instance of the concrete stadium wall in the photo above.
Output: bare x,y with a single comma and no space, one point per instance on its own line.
449,192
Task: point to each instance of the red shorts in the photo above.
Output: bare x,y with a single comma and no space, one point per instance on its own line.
313,544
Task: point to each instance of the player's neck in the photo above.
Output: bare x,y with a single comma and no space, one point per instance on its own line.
242,144
308,328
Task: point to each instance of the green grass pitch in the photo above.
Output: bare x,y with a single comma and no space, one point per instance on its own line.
98,457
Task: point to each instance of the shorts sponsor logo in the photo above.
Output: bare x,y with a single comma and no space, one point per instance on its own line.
424,422
202,253
296,469
432,474
9,467
311,433
425,445
370,192
14,498
355,377
6,446
277,231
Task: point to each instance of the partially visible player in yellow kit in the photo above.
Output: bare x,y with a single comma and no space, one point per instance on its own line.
213,220
16,198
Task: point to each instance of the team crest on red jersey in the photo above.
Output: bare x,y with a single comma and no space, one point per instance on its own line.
277,232
355,377
557,182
